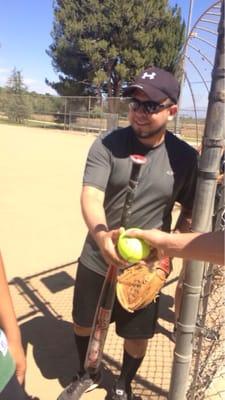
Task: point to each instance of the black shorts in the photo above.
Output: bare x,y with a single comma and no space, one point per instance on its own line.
137,325
13,390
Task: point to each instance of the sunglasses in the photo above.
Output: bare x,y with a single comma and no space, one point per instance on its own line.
148,107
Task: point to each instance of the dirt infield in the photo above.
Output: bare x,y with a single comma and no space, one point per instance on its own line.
42,228
40,179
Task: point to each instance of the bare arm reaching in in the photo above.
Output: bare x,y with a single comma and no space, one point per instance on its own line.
198,246
92,200
10,327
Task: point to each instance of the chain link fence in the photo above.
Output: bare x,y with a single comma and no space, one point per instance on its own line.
208,361
84,114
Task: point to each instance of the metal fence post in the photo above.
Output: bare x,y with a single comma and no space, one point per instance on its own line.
213,142
112,122
65,112
177,119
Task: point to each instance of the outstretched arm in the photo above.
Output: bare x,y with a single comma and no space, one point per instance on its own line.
198,246
10,327
92,201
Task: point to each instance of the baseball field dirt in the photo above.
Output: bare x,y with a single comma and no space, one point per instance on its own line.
41,237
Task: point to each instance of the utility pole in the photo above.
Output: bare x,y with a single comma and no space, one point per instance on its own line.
188,28
213,142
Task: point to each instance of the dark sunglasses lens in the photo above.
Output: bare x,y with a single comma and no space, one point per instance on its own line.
147,106
150,107
135,104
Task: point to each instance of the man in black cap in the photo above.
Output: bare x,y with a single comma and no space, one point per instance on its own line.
168,176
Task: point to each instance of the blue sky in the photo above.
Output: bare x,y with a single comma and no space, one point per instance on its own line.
25,27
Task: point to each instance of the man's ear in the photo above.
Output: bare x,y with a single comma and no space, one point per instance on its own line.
172,112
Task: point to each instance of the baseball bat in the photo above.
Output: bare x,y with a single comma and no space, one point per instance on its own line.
107,296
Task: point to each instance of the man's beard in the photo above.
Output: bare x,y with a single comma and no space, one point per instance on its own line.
149,134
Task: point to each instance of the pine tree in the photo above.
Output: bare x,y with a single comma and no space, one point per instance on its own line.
17,106
15,82
100,45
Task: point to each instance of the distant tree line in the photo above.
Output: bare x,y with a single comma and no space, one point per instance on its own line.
13,103
18,104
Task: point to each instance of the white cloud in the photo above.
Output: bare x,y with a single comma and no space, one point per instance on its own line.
38,86
29,81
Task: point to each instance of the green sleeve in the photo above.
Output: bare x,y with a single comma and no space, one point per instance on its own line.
7,365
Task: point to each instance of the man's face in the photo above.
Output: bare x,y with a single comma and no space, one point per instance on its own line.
146,125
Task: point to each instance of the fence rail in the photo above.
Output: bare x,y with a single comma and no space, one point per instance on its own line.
84,114
208,359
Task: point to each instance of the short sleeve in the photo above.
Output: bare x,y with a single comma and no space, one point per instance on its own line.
187,194
98,166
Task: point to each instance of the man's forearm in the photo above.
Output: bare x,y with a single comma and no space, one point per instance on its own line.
93,212
195,245
199,246
92,202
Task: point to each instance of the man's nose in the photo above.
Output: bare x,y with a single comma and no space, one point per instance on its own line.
140,111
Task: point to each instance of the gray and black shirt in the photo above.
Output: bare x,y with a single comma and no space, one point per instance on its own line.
169,176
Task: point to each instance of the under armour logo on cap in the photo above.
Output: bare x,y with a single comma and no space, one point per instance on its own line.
149,76
158,84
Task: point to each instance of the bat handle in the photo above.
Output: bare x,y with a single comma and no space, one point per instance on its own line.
107,297
137,162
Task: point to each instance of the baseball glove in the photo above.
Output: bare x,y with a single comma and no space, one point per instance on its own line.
138,285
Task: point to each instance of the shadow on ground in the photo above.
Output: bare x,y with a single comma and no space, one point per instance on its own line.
53,347
51,335
44,328
165,313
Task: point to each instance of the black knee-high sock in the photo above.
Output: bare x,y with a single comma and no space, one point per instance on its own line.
81,343
129,368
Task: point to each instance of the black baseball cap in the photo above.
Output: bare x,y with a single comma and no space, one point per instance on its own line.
156,83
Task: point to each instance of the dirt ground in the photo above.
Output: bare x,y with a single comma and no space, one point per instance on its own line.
41,231
41,234
40,179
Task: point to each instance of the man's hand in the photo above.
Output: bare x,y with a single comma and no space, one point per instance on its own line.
107,244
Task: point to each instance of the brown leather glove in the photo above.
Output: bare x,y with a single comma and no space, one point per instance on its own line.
139,285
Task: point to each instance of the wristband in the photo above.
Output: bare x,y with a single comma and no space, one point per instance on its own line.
100,228
165,265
